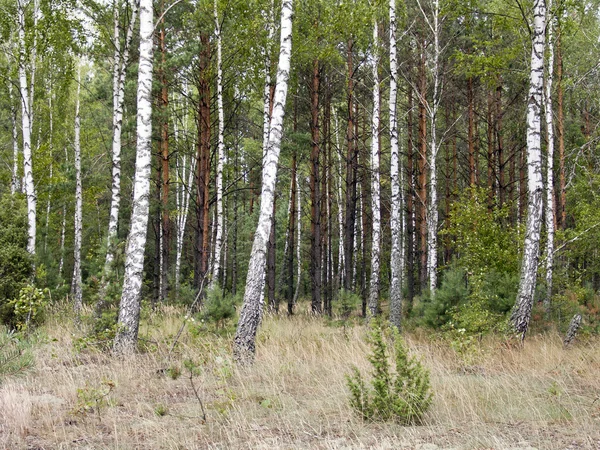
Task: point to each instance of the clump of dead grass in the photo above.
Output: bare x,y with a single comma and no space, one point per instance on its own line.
295,395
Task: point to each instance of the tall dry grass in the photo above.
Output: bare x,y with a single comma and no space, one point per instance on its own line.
295,395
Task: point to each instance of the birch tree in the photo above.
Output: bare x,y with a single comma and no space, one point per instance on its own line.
26,117
375,183
129,308
120,61
250,316
76,284
396,201
220,153
522,312
549,166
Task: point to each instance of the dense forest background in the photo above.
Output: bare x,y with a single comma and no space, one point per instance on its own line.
463,81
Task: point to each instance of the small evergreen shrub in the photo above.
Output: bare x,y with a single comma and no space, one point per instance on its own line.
16,263
347,302
15,353
403,396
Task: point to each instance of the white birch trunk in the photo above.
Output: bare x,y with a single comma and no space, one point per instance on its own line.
244,344
432,213
63,233
15,184
119,73
129,308
549,168
26,130
48,204
298,238
220,156
375,184
522,312
340,215
185,170
76,283
396,202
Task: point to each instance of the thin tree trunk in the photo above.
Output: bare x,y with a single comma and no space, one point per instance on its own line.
26,118
119,74
271,248
15,184
250,316
50,145
490,152
560,133
422,171
500,144
432,206
522,312
129,308
351,167
396,201
63,232
375,184
471,132
410,203
76,284
315,195
291,229
165,232
203,165
549,166
298,240
220,154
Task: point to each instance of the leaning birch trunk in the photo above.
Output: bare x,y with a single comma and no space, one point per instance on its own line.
396,204
26,130
375,185
250,316
129,308
119,73
76,284
549,169
522,311
220,156
432,213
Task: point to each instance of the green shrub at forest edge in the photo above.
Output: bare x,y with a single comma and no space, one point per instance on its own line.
16,264
403,397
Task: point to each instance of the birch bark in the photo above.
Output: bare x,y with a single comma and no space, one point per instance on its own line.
76,284
549,167
26,118
396,201
244,343
119,73
522,312
220,154
432,211
15,184
129,308
375,184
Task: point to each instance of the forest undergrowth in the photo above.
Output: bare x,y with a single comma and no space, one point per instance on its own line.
295,395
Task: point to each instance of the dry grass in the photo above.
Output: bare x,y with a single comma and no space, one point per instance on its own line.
295,396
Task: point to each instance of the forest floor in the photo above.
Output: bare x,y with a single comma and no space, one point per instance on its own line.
295,395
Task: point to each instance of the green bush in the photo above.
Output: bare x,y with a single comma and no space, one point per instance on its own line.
28,308
16,264
435,311
403,397
218,308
